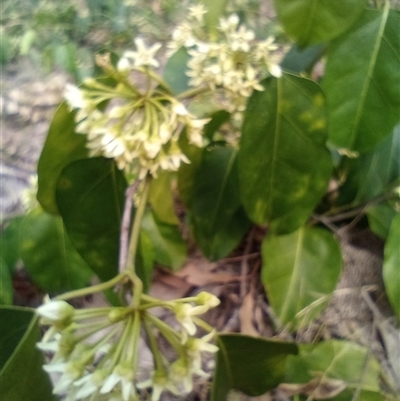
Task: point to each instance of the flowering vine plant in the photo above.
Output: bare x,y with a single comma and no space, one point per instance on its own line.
136,120
292,130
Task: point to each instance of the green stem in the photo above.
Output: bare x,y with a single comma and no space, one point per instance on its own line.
134,352
150,73
203,324
171,335
153,346
117,357
91,290
192,92
133,244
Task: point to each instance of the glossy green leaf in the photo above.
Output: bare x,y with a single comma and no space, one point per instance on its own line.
169,248
251,365
350,364
372,173
362,81
380,168
62,147
161,198
284,167
6,287
9,242
380,219
315,21
175,71
90,197
187,171
49,256
217,119
217,215
391,265
299,60
21,373
299,272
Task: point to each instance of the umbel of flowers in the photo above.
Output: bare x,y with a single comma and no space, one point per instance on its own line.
234,64
141,127
95,351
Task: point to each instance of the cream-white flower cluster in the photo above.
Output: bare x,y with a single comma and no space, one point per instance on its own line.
235,63
94,351
140,129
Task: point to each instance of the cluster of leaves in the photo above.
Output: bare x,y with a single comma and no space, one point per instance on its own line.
65,34
301,133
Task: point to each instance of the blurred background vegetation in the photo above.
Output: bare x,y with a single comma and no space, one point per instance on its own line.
65,34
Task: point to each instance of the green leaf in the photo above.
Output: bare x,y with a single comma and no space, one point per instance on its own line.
299,272
217,119
169,248
315,21
380,218
161,198
21,373
175,71
371,174
217,215
299,60
284,167
49,256
362,93
380,168
62,147
344,361
391,265
90,197
251,365
6,287
187,171
9,242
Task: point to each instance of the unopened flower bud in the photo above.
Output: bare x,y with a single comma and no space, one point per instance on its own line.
56,312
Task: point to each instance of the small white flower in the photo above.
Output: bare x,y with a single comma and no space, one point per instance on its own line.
123,374
165,133
183,314
275,70
240,40
143,56
180,109
74,97
181,375
159,382
152,147
71,371
56,312
123,64
207,299
195,130
90,383
112,147
197,11
229,24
